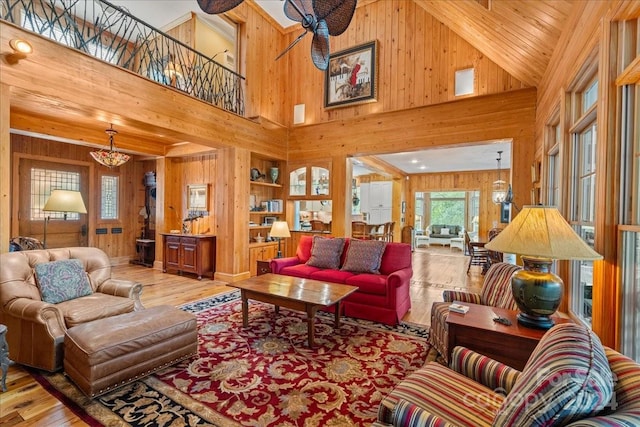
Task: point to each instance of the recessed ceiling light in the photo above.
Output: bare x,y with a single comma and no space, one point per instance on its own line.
423,167
414,161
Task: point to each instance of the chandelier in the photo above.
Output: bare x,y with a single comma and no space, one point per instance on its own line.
500,188
113,157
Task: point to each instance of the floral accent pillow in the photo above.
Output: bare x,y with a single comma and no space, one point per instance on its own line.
364,256
326,252
63,280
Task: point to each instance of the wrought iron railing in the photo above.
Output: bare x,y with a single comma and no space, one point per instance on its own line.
112,34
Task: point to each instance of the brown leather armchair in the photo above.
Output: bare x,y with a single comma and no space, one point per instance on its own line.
36,328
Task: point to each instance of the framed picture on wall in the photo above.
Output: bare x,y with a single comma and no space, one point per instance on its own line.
351,76
198,197
505,213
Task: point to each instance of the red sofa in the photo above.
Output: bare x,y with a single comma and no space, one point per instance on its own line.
380,297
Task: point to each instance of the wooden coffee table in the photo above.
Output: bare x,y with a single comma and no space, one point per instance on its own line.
295,293
476,330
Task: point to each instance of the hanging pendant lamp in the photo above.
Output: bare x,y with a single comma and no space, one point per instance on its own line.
500,188
112,158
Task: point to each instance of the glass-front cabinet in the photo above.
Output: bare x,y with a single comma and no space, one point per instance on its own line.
310,180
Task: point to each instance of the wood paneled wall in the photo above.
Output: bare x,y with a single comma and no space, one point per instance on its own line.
417,60
130,175
591,35
459,181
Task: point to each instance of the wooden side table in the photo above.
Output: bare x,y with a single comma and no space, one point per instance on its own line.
264,266
4,356
476,330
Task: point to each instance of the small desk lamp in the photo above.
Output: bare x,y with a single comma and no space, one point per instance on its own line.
279,229
540,234
62,201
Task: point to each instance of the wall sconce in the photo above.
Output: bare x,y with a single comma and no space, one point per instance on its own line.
21,48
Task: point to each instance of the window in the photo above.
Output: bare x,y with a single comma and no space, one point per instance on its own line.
43,181
630,219
583,179
109,197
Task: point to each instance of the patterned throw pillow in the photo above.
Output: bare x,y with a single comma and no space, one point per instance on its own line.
326,252
62,280
364,256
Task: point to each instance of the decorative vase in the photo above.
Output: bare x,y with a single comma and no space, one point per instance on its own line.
273,173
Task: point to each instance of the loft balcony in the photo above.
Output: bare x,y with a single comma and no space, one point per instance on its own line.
111,34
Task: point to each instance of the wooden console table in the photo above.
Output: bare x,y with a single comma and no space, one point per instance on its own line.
189,253
476,330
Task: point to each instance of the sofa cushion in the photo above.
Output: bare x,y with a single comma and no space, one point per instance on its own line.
396,256
303,252
331,275
567,378
93,307
435,229
326,252
364,256
444,231
299,270
436,389
369,283
63,280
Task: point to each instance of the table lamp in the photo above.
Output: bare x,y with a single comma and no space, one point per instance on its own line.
279,229
540,235
62,201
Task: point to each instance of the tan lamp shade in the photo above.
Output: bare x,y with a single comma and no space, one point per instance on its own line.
65,201
279,229
541,231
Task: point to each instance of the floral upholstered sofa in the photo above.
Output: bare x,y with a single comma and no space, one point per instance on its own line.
571,379
381,271
442,234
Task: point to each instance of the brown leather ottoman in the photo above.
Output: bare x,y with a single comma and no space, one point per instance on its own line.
108,353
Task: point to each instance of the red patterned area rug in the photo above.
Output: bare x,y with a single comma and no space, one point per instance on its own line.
265,375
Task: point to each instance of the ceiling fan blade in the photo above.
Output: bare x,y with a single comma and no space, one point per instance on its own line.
337,13
217,6
292,44
297,9
320,46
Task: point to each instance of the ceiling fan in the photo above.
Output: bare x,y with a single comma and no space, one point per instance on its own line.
320,17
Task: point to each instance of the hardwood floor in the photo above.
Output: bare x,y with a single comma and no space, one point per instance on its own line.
26,403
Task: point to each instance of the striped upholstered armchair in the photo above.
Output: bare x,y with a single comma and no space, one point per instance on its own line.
496,292
569,380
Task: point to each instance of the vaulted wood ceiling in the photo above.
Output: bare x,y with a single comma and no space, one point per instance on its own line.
518,35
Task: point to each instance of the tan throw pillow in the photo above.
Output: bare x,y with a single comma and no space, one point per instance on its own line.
364,256
326,252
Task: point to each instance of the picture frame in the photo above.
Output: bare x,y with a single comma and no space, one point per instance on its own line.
269,220
351,77
505,213
198,197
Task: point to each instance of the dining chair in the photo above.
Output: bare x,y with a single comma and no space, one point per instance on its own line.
359,230
478,255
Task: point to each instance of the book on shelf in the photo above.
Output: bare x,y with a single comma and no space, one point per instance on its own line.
458,308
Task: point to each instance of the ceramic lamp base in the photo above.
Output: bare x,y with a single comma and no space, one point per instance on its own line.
536,322
537,292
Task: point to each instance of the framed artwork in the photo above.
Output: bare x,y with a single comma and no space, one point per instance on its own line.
351,76
505,213
198,197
